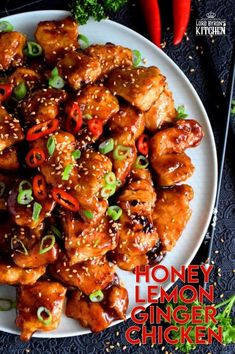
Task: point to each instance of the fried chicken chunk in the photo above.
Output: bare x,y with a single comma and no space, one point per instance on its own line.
11,45
85,240
10,274
88,276
57,38
78,69
171,213
29,76
39,307
7,231
140,86
167,155
43,105
98,315
10,130
161,112
9,159
110,56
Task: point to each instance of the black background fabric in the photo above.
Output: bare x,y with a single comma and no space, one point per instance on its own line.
206,62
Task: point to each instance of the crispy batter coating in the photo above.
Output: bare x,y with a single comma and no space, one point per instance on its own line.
161,112
98,315
88,276
171,213
10,130
79,69
110,56
167,155
29,76
9,159
42,105
10,274
57,38
140,86
12,45
50,295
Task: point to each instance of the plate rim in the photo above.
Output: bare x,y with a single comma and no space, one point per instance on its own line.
51,335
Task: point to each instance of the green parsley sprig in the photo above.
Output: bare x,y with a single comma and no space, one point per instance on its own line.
81,10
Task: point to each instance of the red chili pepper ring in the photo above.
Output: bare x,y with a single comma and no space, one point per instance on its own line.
142,144
35,157
39,187
65,199
42,129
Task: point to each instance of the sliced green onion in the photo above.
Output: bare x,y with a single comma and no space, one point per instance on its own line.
108,190
56,82
110,178
24,182
66,173
43,247
6,304
121,152
141,162
41,312
36,211
76,154
115,212
88,214
25,197
20,91
6,26
97,296
33,49
16,240
55,72
106,146
137,57
2,188
84,40
56,231
51,144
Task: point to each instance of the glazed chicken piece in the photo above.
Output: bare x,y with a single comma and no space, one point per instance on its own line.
54,166
98,315
12,45
10,274
7,232
57,38
110,56
140,86
167,155
30,77
161,112
171,213
129,262
85,240
10,130
79,69
88,276
23,214
39,307
43,105
9,159
137,234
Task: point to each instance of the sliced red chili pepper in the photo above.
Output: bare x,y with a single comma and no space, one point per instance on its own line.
65,199
142,144
42,129
35,157
74,121
181,13
5,92
151,13
39,187
95,126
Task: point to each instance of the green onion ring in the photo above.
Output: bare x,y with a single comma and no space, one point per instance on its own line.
106,146
121,152
110,178
43,249
6,26
36,211
96,296
25,197
54,72
137,58
40,311
141,162
108,190
56,82
115,212
22,183
33,49
85,40
15,240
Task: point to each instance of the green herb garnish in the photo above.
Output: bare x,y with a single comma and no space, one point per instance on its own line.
181,114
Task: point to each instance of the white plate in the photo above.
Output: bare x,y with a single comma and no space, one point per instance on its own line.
204,180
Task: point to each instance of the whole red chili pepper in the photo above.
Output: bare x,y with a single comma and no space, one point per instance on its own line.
151,12
39,187
142,144
74,121
42,129
95,126
65,199
181,13
5,92
35,157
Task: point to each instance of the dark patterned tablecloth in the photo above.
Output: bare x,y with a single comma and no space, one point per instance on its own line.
206,62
